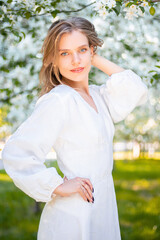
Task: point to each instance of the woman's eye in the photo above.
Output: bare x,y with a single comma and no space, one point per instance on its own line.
83,49
64,53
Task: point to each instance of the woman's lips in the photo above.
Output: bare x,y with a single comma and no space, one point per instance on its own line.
77,70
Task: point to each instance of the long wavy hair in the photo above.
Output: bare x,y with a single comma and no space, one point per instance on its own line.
49,75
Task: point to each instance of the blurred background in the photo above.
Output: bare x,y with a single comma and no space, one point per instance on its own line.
129,41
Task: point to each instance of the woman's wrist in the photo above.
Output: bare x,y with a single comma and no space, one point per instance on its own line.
57,190
94,59
105,65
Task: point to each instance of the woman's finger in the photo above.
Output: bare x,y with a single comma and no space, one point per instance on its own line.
83,193
88,192
88,182
84,189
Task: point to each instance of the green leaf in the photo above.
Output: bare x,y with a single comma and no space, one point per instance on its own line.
1,3
152,71
157,66
28,15
116,11
32,70
30,98
38,9
16,33
152,11
119,2
4,57
129,4
24,35
16,82
53,4
142,8
54,13
151,81
4,69
8,91
156,76
20,39
33,35
128,47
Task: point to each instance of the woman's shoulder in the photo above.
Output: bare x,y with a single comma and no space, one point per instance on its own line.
95,88
56,94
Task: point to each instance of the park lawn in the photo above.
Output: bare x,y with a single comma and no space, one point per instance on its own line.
137,185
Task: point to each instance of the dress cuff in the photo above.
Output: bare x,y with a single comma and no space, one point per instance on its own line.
59,182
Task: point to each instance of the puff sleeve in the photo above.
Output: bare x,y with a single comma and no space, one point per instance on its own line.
122,92
24,153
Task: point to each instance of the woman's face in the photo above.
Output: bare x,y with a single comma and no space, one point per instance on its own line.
74,52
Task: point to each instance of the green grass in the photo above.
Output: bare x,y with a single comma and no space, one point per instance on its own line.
17,218
137,185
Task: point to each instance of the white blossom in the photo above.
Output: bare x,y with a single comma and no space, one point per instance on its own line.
130,13
133,7
144,4
111,3
11,17
103,13
99,6
29,3
4,9
105,1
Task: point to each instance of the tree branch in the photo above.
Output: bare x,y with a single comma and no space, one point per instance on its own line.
139,2
64,11
154,1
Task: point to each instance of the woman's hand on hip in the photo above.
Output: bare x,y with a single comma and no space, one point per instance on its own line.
83,186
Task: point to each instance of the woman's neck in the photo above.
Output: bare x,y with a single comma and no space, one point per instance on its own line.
78,86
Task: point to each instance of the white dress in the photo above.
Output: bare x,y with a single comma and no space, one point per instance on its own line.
82,139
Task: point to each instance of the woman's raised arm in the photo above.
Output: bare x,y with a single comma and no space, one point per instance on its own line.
105,65
123,91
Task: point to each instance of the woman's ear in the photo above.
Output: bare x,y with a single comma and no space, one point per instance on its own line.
92,50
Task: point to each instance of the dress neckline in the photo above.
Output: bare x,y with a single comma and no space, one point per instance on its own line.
87,104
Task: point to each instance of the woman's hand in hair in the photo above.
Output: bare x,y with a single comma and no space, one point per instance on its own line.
83,186
105,65
94,59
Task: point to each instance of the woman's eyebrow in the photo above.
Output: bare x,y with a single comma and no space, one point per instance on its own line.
69,49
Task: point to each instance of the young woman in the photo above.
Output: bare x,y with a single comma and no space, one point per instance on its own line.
77,120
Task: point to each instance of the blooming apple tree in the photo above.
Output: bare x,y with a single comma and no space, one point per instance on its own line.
130,30
128,9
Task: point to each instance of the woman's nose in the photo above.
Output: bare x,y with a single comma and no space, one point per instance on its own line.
76,58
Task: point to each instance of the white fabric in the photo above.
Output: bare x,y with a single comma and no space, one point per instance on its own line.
82,139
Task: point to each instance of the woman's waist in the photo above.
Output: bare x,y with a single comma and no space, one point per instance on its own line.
88,154
94,178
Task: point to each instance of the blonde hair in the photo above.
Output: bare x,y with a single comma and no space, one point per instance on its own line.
49,74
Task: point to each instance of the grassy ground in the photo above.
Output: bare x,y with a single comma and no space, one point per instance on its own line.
137,185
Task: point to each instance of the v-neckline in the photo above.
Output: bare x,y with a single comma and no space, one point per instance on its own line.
87,104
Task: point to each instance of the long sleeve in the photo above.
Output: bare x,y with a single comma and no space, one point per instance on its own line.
122,92
24,153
